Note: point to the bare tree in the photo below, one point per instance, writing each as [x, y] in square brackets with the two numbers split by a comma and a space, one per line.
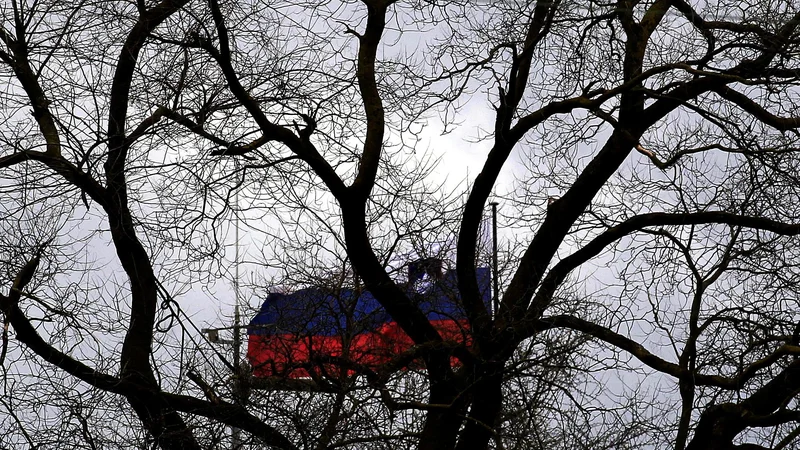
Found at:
[648, 300]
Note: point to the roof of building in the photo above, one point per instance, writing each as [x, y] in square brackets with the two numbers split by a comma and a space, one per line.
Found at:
[330, 312]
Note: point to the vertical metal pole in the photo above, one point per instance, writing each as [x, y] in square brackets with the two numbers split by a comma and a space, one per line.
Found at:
[495, 285]
[237, 343]
[236, 433]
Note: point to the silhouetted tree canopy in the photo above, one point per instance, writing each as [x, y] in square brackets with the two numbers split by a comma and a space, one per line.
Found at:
[649, 262]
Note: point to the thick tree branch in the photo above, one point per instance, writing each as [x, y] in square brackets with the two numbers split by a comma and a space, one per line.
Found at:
[373, 105]
[756, 110]
[121, 86]
[301, 146]
[21, 66]
[560, 271]
[224, 412]
[654, 362]
[506, 138]
[65, 169]
[720, 424]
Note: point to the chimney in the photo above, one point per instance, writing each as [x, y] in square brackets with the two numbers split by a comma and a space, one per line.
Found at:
[425, 266]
